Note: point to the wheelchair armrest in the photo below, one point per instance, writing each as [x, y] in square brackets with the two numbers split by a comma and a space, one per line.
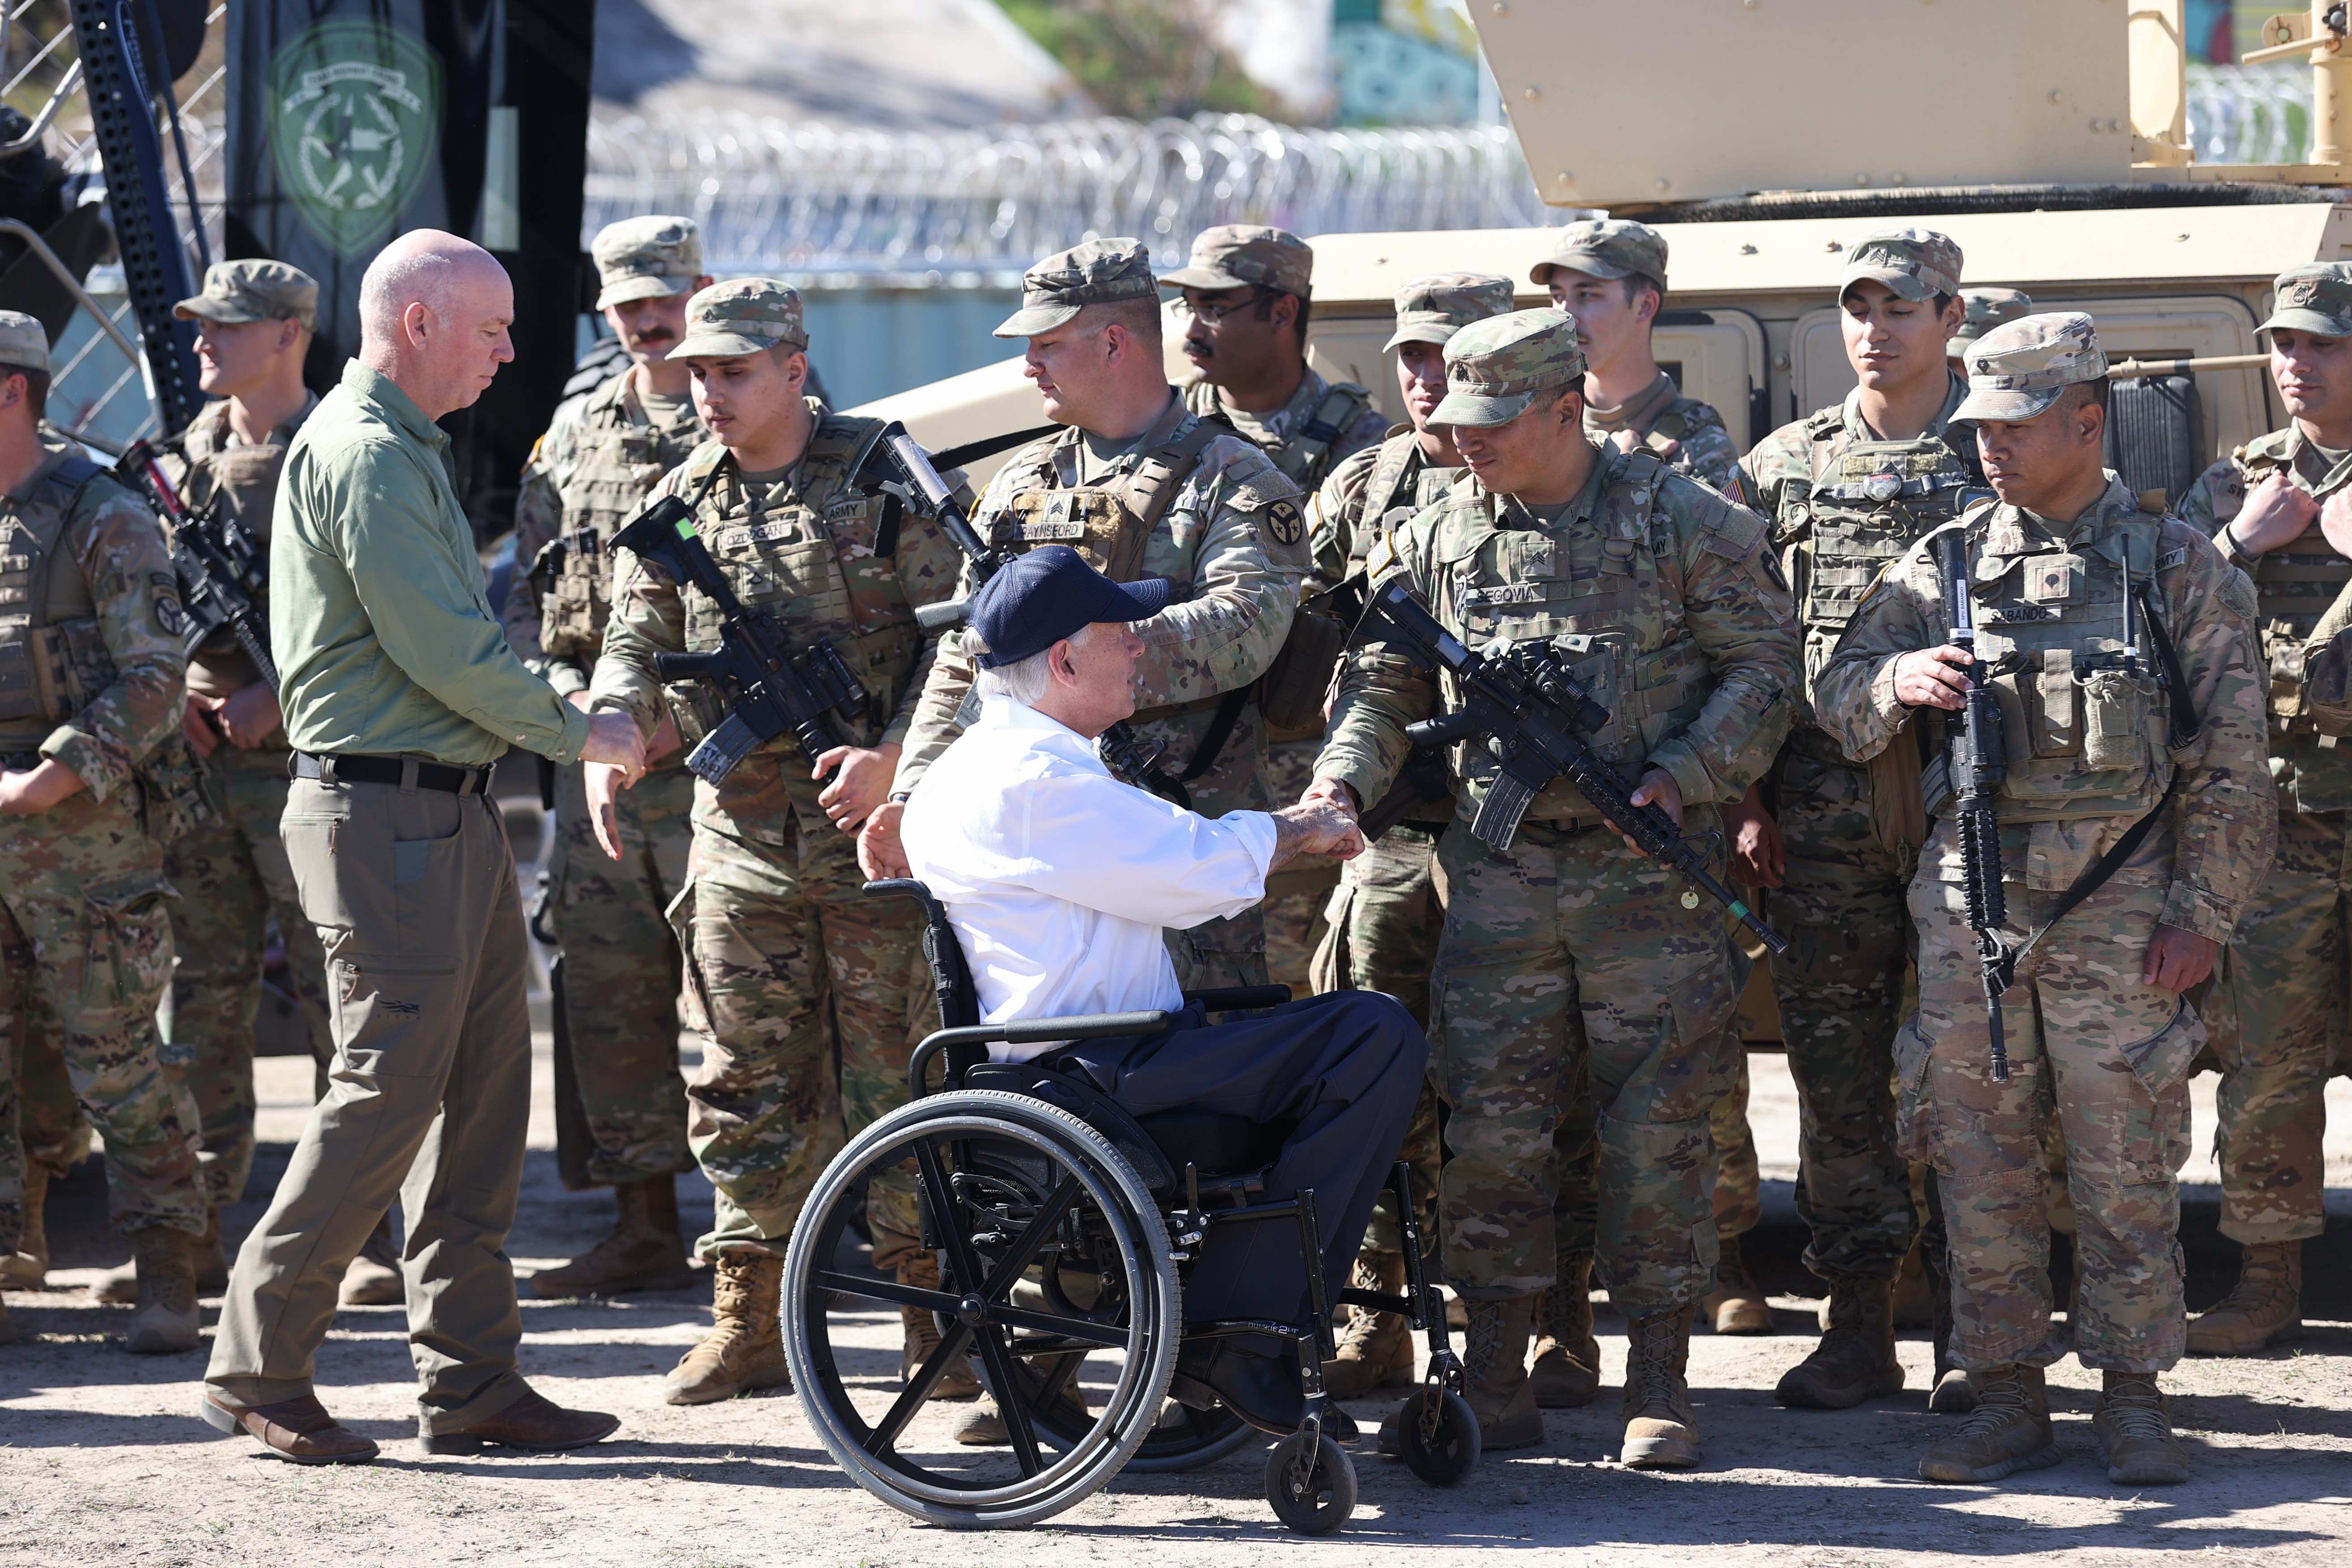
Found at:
[1238, 998]
[1031, 1032]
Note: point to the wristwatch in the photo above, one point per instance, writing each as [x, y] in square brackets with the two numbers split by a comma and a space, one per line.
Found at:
[2235, 553]
[901, 796]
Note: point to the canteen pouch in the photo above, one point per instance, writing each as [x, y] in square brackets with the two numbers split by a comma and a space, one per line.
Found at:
[2116, 705]
[1292, 692]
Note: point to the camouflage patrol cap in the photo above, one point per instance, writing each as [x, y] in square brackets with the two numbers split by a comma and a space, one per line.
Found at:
[1246, 256]
[1100, 272]
[1608, 248]
[2017, 370]
[237, 292]
[1432, 309]
[1987, 308]
[1916, 263]
[24, 342]
[645, 258]
[1494, 368]
[2314, 297]
[742, 316]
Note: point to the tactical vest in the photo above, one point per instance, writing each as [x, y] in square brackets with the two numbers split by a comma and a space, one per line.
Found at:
[2293, 586]
[2085, 737]
[243, 481]
[1305, 454]
[53, 657]
[808, 561]
[1387, 503]
[1608, 594]
[622, 456]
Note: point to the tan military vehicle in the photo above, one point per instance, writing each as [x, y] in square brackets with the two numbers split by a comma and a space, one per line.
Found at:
[1762, 137]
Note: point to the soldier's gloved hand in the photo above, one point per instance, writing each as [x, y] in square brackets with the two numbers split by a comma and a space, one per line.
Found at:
[1657, 788]
[2276, 513]
[1933, 678]
[196, 723]
[879, 854]
[2178, 959]
[1759, 857]
[861, 779]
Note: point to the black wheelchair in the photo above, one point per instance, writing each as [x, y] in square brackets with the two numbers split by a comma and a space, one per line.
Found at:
[1064, 1225]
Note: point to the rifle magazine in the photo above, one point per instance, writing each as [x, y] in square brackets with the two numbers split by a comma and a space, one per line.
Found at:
[721, 750]
[1497, 821]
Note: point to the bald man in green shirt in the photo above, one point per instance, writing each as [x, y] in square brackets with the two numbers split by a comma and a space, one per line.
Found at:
[399, 692]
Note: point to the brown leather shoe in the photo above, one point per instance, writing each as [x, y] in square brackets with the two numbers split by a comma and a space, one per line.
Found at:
[532, 1422]
[298, 1430]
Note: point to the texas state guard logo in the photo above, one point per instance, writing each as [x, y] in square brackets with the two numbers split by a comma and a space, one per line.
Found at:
[355, 111]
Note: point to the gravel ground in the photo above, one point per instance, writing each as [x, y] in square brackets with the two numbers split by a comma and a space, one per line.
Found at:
[103, 1461]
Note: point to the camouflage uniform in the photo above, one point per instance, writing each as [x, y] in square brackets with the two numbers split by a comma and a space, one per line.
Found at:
[1844, 501]
[789, 960]
[1691, 643]
[85, 940]
[1221, 518]
[2089, 1041]
[232, 873]
[588, 476]
[1323, 426]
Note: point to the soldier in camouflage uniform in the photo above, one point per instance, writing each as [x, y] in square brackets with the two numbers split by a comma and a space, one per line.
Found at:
[97, 781]
[790, 963]
[1667, 598]
[2131, 832]
[2279, 1010]
[1982, 309]
[1380, 927]
[1611, 276]
[1245, 297]
[620, 973]
[1849, 489]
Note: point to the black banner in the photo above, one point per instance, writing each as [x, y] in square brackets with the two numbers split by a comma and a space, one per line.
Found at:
[354, 120]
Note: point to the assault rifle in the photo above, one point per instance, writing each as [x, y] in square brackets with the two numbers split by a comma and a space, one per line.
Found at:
[1535, 716]
[1976, 755]
[220, 570]
[774, 688]
[894, 461]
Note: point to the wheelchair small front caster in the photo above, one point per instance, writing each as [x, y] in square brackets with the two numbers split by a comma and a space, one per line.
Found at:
[1439, 1434]
[1312, 1483]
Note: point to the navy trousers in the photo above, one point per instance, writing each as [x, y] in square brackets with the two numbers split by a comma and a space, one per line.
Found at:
[1346, 1066]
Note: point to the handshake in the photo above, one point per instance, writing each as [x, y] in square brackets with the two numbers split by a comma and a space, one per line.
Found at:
[1324, 822]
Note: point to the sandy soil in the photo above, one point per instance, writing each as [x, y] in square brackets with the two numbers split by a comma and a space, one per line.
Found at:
[103, 1461]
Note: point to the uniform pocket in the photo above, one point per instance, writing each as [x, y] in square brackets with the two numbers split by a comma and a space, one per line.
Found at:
[2154, 1135]
[126, 951]
[1914, 1106]
[424, 885]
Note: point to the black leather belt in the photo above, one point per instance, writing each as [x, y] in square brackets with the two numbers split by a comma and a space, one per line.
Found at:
[408, 772]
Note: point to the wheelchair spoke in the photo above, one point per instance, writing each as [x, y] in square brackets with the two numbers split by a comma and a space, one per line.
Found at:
[1008, 1404]
[1033, 1237]
[1084, 1329]
[889, 1291]
[944, 1213]
[885, 1435]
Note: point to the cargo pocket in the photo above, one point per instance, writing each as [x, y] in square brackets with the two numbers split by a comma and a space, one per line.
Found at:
[422, 884]
[1691, 1068]
[2154, 1136]
[697, 996]
[126, 953]
[1915, 1104]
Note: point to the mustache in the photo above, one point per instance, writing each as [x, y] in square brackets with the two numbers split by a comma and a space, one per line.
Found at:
[655, 335]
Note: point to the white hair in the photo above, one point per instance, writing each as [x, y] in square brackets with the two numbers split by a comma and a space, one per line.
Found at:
[1024, 680]
[394, 281]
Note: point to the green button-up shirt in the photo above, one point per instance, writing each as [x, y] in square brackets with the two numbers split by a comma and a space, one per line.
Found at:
[384, 639]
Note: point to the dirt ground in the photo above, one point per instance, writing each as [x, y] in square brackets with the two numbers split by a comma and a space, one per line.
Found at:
[101, 1459]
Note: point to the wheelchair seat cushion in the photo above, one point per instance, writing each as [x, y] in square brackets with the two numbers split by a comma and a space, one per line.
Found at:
[1212, 1141]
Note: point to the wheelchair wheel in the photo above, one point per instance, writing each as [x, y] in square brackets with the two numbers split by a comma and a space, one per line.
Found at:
[1439, 1434]
[1015, 1191]
[1312, 1484]
[1182, 1439]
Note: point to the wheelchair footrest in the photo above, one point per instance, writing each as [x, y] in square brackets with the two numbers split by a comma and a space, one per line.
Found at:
[1382, 1302]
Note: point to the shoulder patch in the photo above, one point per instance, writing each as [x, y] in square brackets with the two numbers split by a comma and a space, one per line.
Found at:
[164, 594]
[2237, 591]
[1283, 522]
[2172, 557]
[1383, 558]
[1731, 529]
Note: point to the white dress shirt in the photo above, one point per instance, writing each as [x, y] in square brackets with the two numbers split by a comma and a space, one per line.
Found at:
[1060, 878]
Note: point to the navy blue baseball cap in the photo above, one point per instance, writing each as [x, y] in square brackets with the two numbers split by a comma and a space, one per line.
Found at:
[1051, 594]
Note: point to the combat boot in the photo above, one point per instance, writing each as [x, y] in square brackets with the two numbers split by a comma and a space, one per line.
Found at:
[646, 1250]
[745, 1347]
[373, 1279]
[983, 1426]
[2134, 1426]
[27, 1269]
[1567, 1358]
[922, 1335]
[1375, 1347]
[2266, 1304]
[1660, 1431]
[1955, 1392]
[1495, 1367]
[2008, 1431]
[167, 1320]
[1856, 1360]
[1738, 1305]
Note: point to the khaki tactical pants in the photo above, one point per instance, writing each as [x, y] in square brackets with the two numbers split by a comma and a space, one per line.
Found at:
[414, 896]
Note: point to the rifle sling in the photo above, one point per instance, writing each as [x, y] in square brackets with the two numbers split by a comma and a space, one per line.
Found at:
[2104, 867]
[1221, 730]
[988, 446]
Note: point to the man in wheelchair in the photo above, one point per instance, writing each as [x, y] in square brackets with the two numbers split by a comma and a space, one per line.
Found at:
[1059, 880]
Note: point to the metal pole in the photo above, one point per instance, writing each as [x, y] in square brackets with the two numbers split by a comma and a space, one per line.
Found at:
[40, 247]
[2331, 89]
